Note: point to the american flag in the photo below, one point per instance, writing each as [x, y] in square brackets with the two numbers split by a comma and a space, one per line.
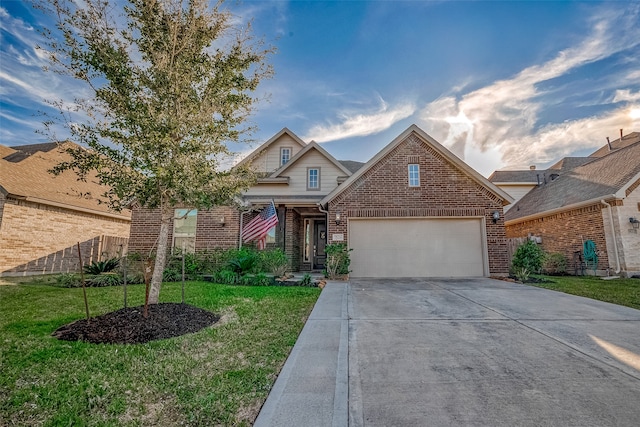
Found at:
[259, 226]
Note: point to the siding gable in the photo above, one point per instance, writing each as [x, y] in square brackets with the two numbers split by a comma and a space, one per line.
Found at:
[269, 159]
[297, 174]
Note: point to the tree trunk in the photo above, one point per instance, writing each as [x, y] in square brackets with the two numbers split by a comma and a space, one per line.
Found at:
[161, 256]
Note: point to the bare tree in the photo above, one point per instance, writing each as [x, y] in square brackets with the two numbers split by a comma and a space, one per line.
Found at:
[171, 85]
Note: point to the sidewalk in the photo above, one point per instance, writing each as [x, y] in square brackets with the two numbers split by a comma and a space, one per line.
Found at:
[312, 388]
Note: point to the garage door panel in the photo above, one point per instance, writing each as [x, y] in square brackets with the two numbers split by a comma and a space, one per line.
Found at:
[416, 247]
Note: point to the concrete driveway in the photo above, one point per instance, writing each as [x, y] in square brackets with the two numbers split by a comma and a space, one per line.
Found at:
[452, 352]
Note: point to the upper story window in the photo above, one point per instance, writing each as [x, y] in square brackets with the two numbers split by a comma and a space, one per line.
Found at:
[285, 155]
[414, 175]
[184, 229]
[313, 178]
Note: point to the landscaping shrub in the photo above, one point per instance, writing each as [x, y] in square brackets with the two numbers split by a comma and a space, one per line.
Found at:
[528, 257]
[104, 279]
[68, 280]
[554, 263]
[245, 261]
[226, 277]
[338, 260]
[259, 279]
[98, 267]
[273, 261]
[306, 280]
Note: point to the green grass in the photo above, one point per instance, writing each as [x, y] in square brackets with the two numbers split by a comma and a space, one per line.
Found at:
[218, 376]
[618, 291]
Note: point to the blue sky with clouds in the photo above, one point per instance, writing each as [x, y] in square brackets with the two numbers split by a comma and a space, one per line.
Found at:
[501, 84]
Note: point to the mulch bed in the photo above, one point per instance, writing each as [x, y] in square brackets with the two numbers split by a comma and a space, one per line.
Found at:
[128, 325]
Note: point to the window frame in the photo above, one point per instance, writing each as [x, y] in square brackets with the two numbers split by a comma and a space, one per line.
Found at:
[282, 151]
[413, 176]
[309, 188]
[183, 214]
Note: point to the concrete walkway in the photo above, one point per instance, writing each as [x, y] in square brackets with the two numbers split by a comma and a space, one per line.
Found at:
[477, 352]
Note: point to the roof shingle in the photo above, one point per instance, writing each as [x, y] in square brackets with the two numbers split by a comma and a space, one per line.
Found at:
[601, 177]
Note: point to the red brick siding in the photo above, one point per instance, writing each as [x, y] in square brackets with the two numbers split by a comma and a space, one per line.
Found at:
[564, 232]
[210, 233]
[444, 190]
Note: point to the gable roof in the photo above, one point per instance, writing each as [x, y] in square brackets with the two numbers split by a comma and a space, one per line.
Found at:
[519, 176]
[568, 163]
[603, 178]
[25, 175]
[622, 142]
[311, 146]
[352, 165]
[255, 153]
[427, 139]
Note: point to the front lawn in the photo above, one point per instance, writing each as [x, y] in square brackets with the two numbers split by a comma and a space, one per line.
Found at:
[218, 376]
[618, 291]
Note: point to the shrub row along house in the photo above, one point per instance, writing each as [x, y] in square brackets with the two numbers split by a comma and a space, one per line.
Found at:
[414, 209]
[593, 198]
[43, 217]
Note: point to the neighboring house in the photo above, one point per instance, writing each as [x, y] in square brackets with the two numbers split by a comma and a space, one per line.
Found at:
[43, 217]
[591, 198]
[516, 183]
[414, 209]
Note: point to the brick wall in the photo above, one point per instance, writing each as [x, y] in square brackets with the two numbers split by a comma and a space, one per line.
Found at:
[565, 232]
[37, 238]
[210, 232]
[292, 236]
[444, 190]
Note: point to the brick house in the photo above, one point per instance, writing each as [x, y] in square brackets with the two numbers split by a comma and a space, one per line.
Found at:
[414, 209]
[590, 198]
[43, 217]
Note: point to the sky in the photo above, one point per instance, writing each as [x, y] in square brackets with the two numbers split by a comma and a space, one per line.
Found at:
[502, 84]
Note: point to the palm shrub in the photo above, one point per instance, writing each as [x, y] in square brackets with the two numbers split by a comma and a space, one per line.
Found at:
[106, 266]
[245, 261]
[273, 261]
[527, 259]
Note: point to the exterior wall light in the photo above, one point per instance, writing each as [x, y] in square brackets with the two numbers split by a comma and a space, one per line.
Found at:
[222, 221]
[495, 216]
[338, 220]
[634, 222]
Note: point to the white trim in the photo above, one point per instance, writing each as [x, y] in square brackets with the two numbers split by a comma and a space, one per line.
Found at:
[409, 175]
[312, 145]
[266, 145]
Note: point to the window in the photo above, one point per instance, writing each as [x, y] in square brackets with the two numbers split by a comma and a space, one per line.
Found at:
[313, 178]
[271, 235]
[307, 240]
[184, 229]
[414, 175]
[285, 155]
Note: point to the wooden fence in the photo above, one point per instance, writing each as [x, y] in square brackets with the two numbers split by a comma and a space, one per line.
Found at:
[512, 246]
[111, 247]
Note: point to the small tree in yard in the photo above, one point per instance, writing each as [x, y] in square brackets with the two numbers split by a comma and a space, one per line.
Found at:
[171, 84]
[527, 259]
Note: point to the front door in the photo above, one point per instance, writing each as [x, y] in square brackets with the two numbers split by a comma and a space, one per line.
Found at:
[319, 242]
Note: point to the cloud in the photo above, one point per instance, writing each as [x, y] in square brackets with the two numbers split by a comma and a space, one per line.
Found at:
[626, 95]
[361, 124]
[505, 115]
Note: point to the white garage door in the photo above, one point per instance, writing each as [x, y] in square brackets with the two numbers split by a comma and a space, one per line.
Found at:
[425, 247]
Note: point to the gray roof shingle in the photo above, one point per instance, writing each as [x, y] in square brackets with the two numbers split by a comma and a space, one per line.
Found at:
[598, 178]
